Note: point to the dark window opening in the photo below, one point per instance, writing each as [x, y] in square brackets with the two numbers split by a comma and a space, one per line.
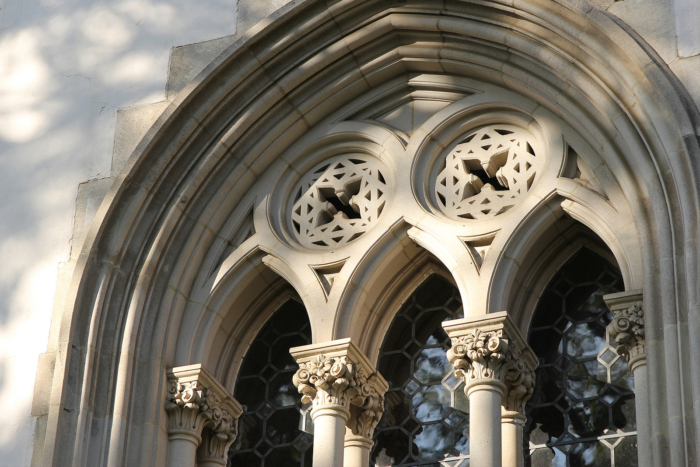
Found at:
[421, 426]
[269, 433]
[493, 181]
[344, 208]
[582, 412]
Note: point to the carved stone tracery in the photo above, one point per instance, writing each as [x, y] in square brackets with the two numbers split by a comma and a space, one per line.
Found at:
[488, 173]
[338, 201]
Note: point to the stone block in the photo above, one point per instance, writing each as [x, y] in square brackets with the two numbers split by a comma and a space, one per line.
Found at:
[688, 71]
[188, 61]
[132, 125]
[90, 196]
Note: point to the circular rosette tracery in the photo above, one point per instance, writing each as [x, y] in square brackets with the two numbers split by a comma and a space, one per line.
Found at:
[488, 173]
[338, 200]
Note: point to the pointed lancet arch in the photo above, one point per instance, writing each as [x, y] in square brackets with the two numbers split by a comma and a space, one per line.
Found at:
[386, 277]
[559, 243]
[546, 225]
[132, 285]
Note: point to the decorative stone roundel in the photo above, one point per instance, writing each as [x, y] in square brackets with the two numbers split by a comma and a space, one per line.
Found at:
[338, 200]
[488, 173]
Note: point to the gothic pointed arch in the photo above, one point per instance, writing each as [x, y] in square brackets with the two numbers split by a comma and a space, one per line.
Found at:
[362, 104]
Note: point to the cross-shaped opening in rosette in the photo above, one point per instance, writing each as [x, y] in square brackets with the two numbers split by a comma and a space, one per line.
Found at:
[487, 173]
[338, 201]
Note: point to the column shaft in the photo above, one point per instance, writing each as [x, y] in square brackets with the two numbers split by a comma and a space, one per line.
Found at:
[329, 434]
[512, 424]
[627, 328]
[183, 450]
[210, 463]
[485, 423]
[357, 450]
[641, 401]
[337, 377]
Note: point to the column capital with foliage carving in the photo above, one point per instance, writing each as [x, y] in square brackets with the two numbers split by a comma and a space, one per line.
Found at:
[627, 326]
[336, 375]
[200, 408]
[489, 349]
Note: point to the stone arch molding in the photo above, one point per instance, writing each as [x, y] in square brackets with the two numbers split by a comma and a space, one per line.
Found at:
[194, 238]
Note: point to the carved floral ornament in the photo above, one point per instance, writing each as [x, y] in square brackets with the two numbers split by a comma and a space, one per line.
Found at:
[194, 407]
[338, 200]
[488, 173]
[627, 328]
[489, 355]
[199, 407]
[339, 381]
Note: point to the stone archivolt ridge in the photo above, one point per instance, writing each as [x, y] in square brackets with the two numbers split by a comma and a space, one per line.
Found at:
[217, 150]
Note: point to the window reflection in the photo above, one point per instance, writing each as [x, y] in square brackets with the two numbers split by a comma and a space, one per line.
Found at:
[420, 425]
[269, 434]
[582, 411]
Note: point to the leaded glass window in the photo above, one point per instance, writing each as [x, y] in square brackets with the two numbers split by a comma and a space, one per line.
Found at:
[582, 411]
[420, 426]
[269, 434]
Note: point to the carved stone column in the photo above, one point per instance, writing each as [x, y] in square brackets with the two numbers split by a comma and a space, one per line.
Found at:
[344, 387]
[520, 385]
[497, 366]
[200, 411]
[627, 328]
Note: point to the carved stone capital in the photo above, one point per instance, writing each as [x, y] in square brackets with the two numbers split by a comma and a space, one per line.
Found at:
[200, 407]
[215, 445]
[337, 374]
[490, 348]
[627, 326]
[365, 417]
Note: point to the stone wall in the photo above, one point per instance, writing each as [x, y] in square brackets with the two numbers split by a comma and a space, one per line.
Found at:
[67, 67]
[80, 83]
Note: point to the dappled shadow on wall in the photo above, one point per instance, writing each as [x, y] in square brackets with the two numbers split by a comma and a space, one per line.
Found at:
[421, 425]
[582, 412]
[270, 434]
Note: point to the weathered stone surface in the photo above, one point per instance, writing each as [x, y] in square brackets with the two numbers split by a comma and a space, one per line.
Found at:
[187, 61]
[167, 281]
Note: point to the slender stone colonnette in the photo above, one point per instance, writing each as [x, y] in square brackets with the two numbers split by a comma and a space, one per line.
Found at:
[203, 418]
[348, 400]
[627, 328]
[497, 366]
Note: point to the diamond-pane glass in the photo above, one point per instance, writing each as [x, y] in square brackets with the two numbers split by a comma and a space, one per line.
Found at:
[425, 418]
[269, 434]
[582, 411]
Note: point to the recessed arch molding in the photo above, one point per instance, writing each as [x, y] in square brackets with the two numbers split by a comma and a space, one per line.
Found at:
[145, 270]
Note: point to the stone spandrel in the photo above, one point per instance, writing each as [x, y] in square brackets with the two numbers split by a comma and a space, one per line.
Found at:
[490, 347]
